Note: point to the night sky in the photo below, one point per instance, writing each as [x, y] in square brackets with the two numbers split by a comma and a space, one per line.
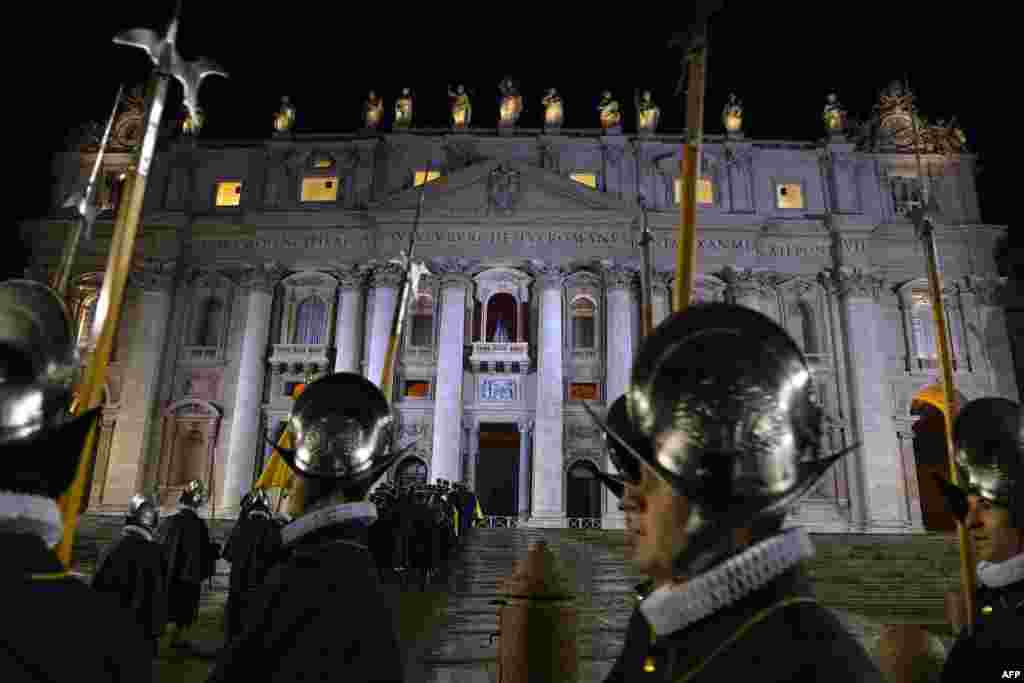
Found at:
[781, 59]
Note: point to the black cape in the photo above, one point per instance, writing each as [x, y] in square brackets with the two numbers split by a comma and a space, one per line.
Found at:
[190, 557]
[59, 629]
[321, 615]
[997, 643]
[252, 549]
[133, 573]
[801, 642]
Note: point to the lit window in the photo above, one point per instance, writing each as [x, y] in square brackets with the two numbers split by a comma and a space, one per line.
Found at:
[229, 193]
[583, 323]
[323, 163]
[323, 189]
[705, 192]
[423, 323]
[426, 177]
[310, 321]
[789, 196]
[588, 179]
[583, 392]
[417, 389]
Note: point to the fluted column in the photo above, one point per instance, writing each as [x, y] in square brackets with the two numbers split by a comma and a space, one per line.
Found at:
[385, 280]
[472, 429]
[141, 355]
[878, 491]
[548, 509]
[525, 439]
[350, 320]
[446, 456]
[619, 284]
[244, 406]
[989, 299]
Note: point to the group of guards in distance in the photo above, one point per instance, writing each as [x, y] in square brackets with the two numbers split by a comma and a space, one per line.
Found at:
[717, 438]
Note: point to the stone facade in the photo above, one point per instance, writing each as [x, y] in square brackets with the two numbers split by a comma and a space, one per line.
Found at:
[277, 287]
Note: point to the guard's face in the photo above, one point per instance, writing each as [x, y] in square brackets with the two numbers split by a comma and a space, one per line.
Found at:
[655, 524]
[994, 538]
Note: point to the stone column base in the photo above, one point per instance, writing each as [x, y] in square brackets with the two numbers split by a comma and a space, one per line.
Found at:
[546, 521]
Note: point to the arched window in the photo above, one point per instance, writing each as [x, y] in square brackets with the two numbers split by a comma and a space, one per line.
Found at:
[501, 318]
[584, 332]
[422, 332]
[210, 320]
[923, 325]
[310, 321]
[411, 471]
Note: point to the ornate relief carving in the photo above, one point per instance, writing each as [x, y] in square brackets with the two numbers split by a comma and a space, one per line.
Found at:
[387, 275]
[503, 189]
[261, 278]
[661, 280]
[853, 282]
[505, 280]
[617, 276]
[799, 286]
[744, 282]
[548, 275]
[352, 277]
[451, 265]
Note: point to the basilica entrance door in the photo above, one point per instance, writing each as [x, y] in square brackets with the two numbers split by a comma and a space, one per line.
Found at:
[930, 458]
[497, 471]
[583, 494]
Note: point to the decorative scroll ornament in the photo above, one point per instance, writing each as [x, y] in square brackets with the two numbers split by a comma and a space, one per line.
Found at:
[853, 282]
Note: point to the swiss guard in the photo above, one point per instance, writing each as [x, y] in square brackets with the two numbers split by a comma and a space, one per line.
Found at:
[191, 558]
[322, 613]
[252, 549]
[990, 456]
[46, 633]
[725, 399]
[133, 571]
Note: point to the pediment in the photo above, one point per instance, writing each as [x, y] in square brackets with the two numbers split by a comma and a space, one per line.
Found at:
[503, 188]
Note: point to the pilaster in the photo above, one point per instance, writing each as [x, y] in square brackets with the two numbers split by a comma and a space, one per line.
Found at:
[350, 320]
[385, 280]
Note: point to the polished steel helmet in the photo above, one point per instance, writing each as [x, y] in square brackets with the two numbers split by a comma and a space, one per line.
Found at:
[41, 441]
[143, 511]
[726, 400]
[620, 423]
[257, 499]
[194, 494]
[613, 482]
[344, 431]
[989, 453]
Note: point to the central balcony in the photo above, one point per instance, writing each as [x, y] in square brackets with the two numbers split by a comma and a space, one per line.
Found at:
[500, 357]
[300, 358]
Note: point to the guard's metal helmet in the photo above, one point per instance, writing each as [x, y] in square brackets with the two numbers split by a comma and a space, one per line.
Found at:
[194, 494]
[725, 398]
[619, 422]
[257, 499]
[989, 453]
[39, 366]
[613, 482]
[343, 429]
[143, 511]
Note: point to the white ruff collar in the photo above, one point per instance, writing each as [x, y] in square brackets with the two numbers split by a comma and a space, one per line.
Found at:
[328, 516]
[673, 607]
[999, 574]
[22, 513]
[137, 530]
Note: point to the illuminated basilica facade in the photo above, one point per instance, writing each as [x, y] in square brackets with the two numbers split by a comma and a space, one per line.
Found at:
[261, 262]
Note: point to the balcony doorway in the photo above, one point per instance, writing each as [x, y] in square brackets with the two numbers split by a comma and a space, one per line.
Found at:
[497, 471]
[583, 491]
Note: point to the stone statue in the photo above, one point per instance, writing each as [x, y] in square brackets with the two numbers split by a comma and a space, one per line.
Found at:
[732, 116]
[500, 332]
[403, 109]
[511, 103]
[284, 119]
[648, 113]
[834, 116]
[462, 109]
[373, 111]
[554, 111]
[611, 118]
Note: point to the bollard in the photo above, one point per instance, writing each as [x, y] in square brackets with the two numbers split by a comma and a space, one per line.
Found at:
[537, 623]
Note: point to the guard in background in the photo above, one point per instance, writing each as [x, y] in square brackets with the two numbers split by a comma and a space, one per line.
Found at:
[56, 628]
[382, 541]
[725, 399]
[191, 558]
[322, 613]
[133, 571]
[990, 455]
[252, 549]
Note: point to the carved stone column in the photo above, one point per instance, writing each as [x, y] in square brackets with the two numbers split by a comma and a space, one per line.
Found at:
[990, 296]
[751, 289]
[145, 321]
[471, 428]
[448, 390]
[350, 321]
[385, 280]
[661, 295]
[619, 283]
[525, 443]
[877, 489]
[244, 403]
[548, 508]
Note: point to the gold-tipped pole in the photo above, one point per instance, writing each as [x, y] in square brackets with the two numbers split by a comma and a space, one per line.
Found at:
[922, 216]
[85, 205]
[686, 247]
[646, 295]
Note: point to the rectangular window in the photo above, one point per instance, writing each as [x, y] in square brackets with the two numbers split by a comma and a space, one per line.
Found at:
[586, 391]
[705, 191]
[588, 179]
[229, 193]
[293, 389]
[426, 177]
[789, 196]
[320, 189]
[417, 389]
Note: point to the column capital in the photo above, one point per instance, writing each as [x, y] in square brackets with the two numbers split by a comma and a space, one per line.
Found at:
[451, 265]
[661, 280]
[855, 283]
[526, 425]
[987, 291]
[350, 277]
[386, 275]
[742, 282]
[261, 278]
[153, 275]
[548, 275]
[618, 276]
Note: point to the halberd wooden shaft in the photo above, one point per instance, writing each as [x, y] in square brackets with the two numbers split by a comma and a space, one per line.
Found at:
[686, 246]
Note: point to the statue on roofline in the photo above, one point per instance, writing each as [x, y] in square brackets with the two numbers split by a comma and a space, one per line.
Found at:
[462, 108]
[648, 113]
[611, 118]
[373, 111]
[554, 110]
[284, 119]
[511, 103]
[403, 109]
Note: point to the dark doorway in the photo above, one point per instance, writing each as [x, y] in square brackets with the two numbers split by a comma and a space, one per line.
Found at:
[930, 458]
[497, 470]
[583, 495]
